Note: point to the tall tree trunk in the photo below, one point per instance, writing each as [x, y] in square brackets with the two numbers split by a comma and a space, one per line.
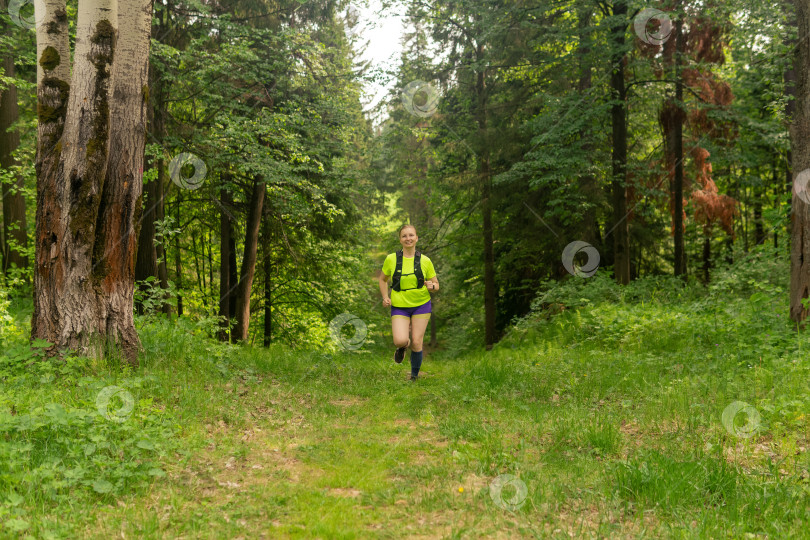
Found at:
[672, 118]
[677, 191]
[146, 259]
[225, 241]
[87, 210]
[777, 194]
[151, 259]
[161, 249]
[240, 332]
[745, 225]
[789, 8]
[200, 273]
[210, 292]
[121, 197]
[233, 272]
[621, 230]
[158, 107]
[178, 266]
[734, 192]
[53, 92]
[587, 184]
[15, 229]
[800, 146]
[759, 227]
[489, 257]
[69, 184]
[486, 207]
[268, 290]
[707, 254]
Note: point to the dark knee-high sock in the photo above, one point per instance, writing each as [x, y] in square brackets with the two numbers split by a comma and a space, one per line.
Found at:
[416, 362]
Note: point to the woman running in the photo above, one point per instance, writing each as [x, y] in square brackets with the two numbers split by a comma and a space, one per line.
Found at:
[412, 276]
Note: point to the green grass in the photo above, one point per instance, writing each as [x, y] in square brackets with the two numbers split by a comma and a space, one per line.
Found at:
[609, 413]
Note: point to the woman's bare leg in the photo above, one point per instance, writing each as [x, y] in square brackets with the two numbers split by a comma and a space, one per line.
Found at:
[399, 330]
[419, 324]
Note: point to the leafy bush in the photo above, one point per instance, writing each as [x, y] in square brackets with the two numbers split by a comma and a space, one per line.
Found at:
[66, 435]
[755, 283]
[762, 270]
[8, 330]
[151, 296]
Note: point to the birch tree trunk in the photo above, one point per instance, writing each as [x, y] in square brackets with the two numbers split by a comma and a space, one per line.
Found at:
[53, 75]
[121, 199]
[800, 150]
[71, 179]
[87, 211]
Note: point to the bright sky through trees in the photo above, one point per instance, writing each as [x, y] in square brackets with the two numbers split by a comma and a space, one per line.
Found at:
[381, 37]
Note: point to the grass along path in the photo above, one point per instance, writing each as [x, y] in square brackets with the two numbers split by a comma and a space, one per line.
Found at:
[308, 460]
[610, 416]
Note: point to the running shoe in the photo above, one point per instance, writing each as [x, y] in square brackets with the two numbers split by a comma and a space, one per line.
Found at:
[399, 355]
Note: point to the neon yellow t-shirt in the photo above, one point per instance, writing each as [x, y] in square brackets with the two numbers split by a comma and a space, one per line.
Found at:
[412, 297]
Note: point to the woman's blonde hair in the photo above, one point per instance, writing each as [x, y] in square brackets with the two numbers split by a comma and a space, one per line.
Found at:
[407, 225]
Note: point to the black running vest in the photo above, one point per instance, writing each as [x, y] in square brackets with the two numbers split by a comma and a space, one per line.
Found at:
[417, 271]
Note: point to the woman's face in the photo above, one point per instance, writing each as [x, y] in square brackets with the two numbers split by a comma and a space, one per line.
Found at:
[408, 237]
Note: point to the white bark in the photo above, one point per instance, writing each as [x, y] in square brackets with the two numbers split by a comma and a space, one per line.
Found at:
[52, 32]
[123, 187]
[89, 189]
[52, 96]
[69, 187]
[52, 84]
[88, 106]
[84, 163]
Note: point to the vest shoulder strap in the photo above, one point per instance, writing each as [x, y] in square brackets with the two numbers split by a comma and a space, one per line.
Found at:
[397, 271]
[417, 269]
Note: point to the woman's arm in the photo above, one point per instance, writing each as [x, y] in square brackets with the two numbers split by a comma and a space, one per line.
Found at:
[384, 289]
[432, 283]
